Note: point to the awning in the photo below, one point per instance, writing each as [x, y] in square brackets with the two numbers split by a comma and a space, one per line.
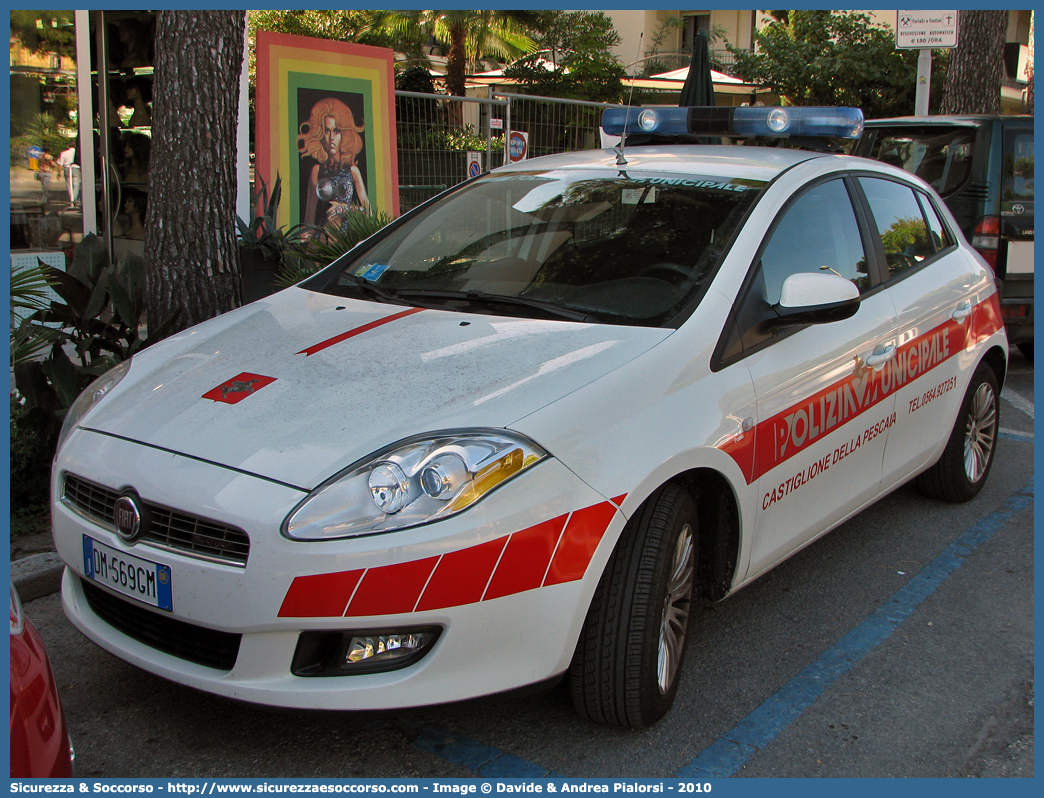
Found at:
[675, 79]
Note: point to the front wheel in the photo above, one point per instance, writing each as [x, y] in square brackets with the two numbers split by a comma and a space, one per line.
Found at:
[965, 463]
[628, 659]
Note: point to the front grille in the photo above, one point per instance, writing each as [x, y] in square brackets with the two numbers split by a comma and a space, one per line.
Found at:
[187, 641]
[188, 534]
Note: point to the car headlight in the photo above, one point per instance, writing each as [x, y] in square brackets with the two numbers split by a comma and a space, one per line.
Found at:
[93, 394]
[414, 482]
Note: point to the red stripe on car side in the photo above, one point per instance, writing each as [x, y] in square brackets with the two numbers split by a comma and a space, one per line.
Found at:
[525, 559]
[985, 321]
[319, 347]
[771, 443]
[320, 595]
[548, 553]
[579, 541]
[461, 576]
[740, 448]
[391, 589]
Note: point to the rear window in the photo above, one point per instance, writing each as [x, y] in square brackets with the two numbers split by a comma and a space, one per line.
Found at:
[1018, 166]
[617, 248]
[939, 156]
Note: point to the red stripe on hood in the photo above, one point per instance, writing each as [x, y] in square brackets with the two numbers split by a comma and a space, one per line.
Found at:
[319, 347]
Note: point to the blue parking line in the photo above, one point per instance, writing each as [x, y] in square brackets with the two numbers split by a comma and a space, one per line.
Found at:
[485, 760]
[1014, 435]
[735, 748]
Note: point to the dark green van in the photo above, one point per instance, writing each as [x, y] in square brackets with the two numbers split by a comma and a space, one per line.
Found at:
[982, 166]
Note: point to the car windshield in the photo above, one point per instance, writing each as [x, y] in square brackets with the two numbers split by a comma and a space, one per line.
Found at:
[941, 156]
[616, 248]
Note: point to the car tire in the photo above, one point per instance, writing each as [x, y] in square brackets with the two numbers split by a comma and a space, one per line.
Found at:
[965, 463]
[626, 667]
[1026, 347]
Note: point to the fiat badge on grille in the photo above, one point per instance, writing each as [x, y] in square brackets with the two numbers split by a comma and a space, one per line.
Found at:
[127, 517]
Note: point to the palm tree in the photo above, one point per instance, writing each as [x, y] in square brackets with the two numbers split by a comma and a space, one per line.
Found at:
[470, 35]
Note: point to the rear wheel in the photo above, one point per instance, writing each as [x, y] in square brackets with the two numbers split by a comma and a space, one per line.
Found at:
[628, 659]
[965, 463]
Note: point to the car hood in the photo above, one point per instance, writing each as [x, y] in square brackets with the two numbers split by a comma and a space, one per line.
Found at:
[300, 385]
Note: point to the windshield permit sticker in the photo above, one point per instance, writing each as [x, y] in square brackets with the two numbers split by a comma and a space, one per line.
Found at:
[239, 388]
[373, 273]
[632, 196]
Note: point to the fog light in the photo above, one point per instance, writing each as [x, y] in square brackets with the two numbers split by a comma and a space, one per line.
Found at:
[384, 648]
[370, 651]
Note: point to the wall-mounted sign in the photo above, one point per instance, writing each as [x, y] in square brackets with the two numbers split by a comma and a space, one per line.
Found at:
[474, 164]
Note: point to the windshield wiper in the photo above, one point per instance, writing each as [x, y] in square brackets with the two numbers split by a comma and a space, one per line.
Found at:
[476, 297]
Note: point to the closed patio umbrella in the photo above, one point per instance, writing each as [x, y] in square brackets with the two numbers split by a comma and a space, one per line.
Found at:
[698, 88]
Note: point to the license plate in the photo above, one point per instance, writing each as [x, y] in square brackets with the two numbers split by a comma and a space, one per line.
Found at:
[144, 580]
[1020, 257]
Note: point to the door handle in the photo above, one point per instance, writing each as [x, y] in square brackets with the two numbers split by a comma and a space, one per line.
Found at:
[878, 359]
[963, 311]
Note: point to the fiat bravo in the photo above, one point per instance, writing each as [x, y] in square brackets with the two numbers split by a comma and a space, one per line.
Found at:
[526, 430]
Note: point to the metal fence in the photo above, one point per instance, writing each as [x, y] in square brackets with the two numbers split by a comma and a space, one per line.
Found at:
[436, 132]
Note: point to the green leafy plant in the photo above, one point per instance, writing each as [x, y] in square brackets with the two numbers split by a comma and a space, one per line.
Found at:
[95, 324]
[821, 57]
[437, 138]
[330, 244]
[29, 294]
[31, 455]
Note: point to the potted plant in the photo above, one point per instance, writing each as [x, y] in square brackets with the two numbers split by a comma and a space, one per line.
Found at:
[263, 244]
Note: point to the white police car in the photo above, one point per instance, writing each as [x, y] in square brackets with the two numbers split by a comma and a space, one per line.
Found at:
[520, 432]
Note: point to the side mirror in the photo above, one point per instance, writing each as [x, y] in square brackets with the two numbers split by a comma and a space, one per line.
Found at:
[816, 298]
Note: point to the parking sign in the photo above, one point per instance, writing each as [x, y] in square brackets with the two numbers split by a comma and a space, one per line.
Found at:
[925, 29]
[518, 146]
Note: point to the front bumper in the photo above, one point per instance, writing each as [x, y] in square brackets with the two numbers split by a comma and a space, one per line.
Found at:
[508, 582]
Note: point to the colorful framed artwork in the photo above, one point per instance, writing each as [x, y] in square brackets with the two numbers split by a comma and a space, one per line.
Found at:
[325, 124]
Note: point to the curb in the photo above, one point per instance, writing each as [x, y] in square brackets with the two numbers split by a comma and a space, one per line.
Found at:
[37, 575]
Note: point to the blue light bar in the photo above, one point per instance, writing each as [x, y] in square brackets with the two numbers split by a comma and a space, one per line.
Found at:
[771, 122]
[846, 123]
[659, 121]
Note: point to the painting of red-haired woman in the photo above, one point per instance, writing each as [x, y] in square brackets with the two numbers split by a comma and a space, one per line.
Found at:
[330, 143]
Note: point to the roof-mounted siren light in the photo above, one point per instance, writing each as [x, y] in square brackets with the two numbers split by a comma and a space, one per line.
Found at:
[774, 122]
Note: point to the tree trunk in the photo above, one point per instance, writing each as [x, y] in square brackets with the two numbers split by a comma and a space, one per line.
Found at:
[973, 78]
[456, 69]
[457, 61]
[191, 250]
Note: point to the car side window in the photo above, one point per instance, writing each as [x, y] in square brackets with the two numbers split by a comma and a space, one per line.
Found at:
[900, 222]
[939, 156]
[941, 237]
[819, 233]
[1018, 166]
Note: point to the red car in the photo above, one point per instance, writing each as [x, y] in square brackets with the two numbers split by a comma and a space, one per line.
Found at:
[40, 745]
